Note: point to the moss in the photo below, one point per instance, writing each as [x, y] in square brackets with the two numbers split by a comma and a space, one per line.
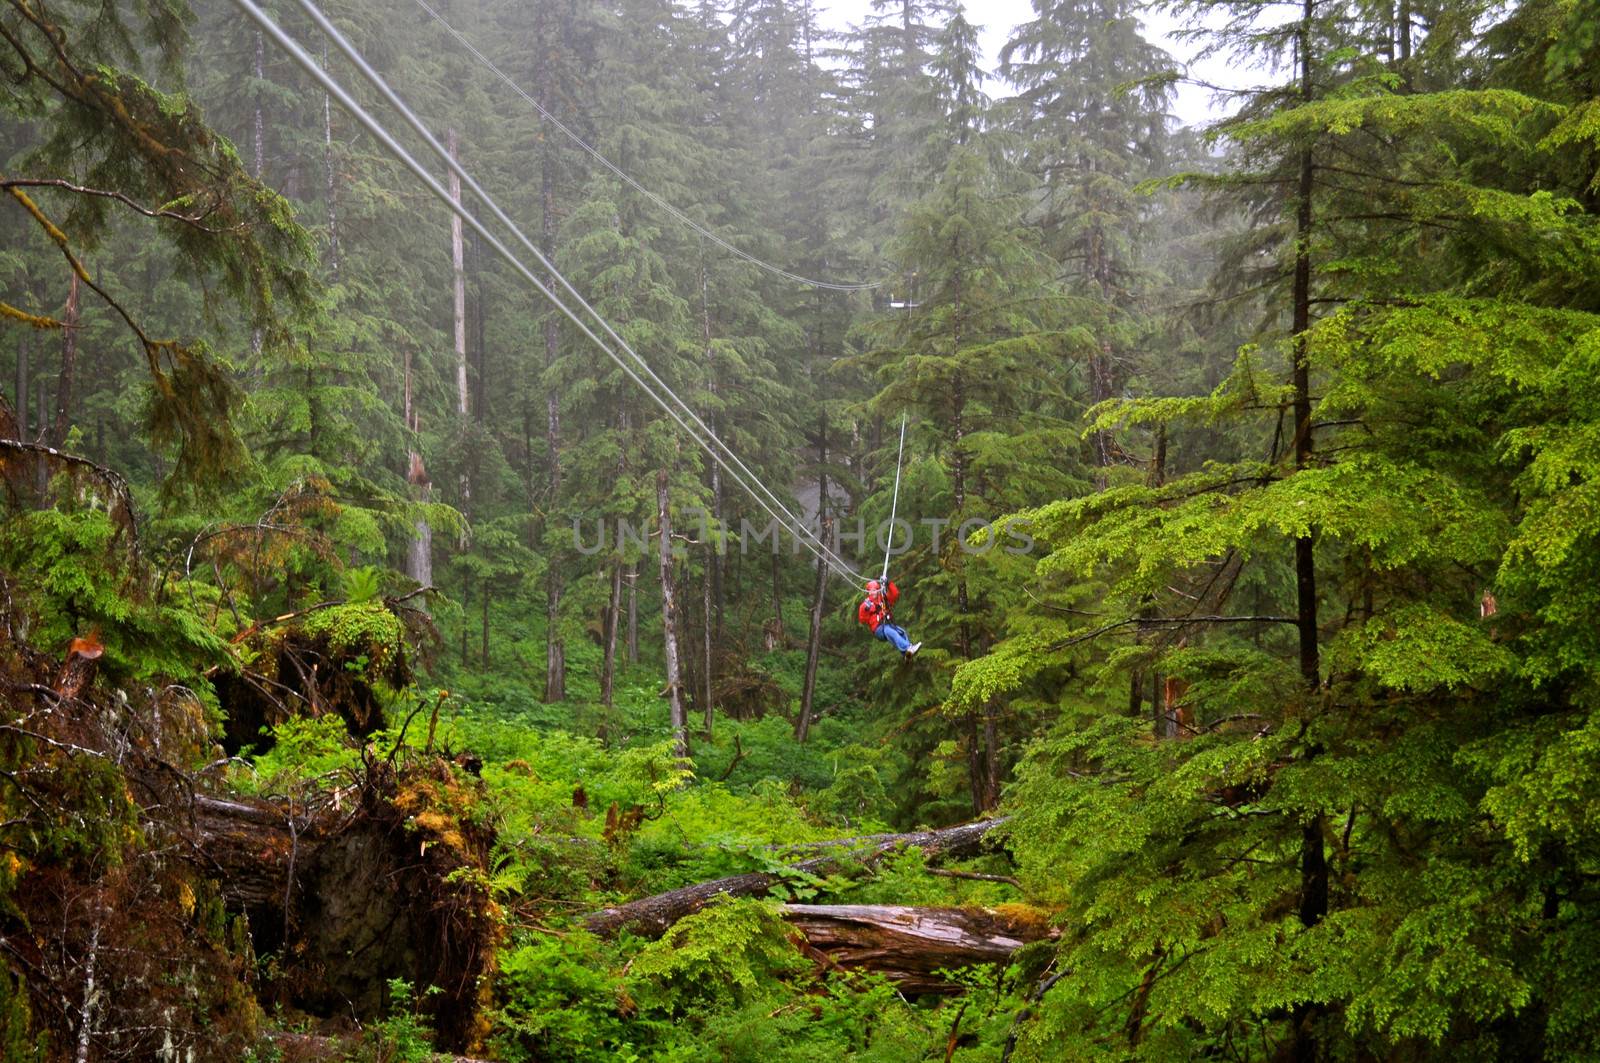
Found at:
[367, 628]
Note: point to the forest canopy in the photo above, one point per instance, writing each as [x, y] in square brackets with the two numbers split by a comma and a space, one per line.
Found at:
[444, 447]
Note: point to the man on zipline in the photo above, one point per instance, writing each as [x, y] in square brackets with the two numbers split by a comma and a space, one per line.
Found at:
[874, 612]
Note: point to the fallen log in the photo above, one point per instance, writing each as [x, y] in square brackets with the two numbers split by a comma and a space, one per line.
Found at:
[652, 916]
[911, 944]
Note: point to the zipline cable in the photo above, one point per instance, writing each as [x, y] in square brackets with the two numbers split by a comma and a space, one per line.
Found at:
[626, 177]
[753, 483]
[337, 91]
[894, 506]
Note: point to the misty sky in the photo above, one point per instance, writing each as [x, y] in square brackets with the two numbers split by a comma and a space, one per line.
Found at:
[997, 17]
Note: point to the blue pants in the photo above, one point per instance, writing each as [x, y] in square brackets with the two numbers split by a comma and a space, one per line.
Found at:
[894, 636]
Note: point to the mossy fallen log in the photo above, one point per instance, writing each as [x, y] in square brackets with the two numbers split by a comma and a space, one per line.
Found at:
[652, 916]
[912, 944]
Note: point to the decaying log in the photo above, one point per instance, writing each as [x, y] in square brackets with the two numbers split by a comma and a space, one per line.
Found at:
[652, 916]
[911, 944]
[364, 883]
[248, 845]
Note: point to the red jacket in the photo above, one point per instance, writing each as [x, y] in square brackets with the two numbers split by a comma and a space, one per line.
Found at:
[874, 608]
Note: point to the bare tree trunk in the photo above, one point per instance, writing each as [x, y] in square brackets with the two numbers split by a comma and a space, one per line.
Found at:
[710, 706]
[69, 367]
[484, 593]
[458, 271]
[86, 1012]
[808, 692]
[780, 636]
[555, 650]
[669, 616]
[608, 668]
[22, 388]
[613, 617]
[330, 187]
[259, 162]
[713, 558]
[41, 421]
[419, 552]
[633, 615]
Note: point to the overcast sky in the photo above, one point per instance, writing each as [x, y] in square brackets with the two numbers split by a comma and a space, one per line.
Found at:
[997, 17]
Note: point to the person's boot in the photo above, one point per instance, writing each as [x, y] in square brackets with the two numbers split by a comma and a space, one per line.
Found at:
[911, 650]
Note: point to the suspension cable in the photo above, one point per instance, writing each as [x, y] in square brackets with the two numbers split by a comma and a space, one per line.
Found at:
[594, 152]
[373, 126]
[378, 82]
[894, 506]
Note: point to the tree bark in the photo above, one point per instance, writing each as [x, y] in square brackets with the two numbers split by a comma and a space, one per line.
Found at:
[555, 649]
[419, 551]
[713, 576]
[57, 435]
[613, 620]
[22, 389]
[633, 614]
[330, 186]
[808, 691]
[779, 635]
[484, 606]
[911, 945]
[458, 273]
[652, 916]
[260, 130]
[669, 617]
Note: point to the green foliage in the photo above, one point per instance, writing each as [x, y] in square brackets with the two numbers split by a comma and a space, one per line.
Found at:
[403, 1037]
[726, 952]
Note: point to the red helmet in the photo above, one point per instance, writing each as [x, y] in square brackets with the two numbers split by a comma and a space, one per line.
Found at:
[872, 586]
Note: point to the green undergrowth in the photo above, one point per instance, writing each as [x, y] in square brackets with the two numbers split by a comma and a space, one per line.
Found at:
[585, 821]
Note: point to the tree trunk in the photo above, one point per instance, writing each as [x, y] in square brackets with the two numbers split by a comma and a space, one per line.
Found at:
[1313, 857]
[259, 162]
[69, 367]
[808, 692]
[458, 272]
[613, 620]
[633, 615]
[330, 186]
[669, 617]
[713, 580]
[41, 420]
[780, 637]
[555, 649]
[911, 945]
[652, 916]
[419, 552]
[484, 605]
[705, 627]
[22, 389]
